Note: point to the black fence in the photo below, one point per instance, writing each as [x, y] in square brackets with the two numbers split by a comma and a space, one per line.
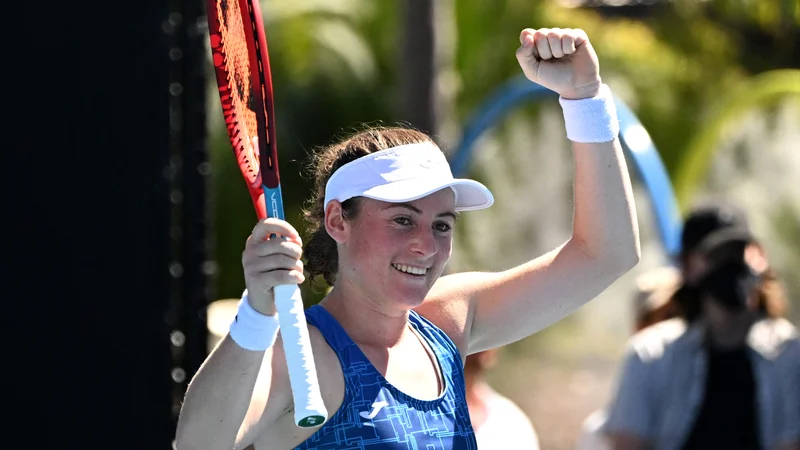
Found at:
[106, 237]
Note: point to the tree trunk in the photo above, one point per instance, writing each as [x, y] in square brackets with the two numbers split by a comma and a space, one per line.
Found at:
[418, 66]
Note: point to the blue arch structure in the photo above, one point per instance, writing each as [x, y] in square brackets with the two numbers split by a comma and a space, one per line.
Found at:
[639, 149]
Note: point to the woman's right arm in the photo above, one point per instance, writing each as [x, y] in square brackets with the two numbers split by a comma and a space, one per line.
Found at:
[237, 393]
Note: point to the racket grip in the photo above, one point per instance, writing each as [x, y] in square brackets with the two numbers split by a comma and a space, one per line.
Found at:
[309, 409]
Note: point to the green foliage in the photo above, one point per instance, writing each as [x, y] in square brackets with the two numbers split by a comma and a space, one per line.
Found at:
[761, 90]
[335, 65]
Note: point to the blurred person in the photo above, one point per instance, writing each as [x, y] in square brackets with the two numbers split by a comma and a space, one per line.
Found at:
[390, 337]
[652, 303]
[498, 422]
[725, 373]
[652, 300]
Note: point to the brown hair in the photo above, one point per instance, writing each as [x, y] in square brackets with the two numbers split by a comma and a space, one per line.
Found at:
[651, 301]
[320, 249]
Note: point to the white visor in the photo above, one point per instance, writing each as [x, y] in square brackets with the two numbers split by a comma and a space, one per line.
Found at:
[402, 174]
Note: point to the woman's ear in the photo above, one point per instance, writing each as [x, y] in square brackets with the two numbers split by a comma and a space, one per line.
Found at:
[334, 222]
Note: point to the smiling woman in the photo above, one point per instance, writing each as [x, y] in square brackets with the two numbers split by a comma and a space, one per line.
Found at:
[392, 254]
[390, 337]
[407, 158]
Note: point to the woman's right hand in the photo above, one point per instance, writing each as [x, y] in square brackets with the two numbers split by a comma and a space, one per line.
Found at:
[270, 262]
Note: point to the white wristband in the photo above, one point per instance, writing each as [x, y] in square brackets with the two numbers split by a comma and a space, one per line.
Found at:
[252, 330]
[591, 119]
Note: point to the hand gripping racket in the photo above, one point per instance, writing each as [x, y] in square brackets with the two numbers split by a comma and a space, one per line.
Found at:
[241, 62]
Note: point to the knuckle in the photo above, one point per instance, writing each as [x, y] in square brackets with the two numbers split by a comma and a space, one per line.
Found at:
[246, 257]
[286, 262]
[294, 249]
[287, 277]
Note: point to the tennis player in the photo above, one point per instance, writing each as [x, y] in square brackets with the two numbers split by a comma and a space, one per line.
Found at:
[390, 339]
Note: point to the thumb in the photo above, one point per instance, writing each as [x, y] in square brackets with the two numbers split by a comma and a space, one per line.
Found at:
[528, 61]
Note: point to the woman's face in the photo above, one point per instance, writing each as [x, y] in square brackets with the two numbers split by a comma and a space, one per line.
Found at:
[395, 252]
[730, 284]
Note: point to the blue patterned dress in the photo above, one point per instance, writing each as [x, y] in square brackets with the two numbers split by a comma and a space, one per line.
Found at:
[376, 415]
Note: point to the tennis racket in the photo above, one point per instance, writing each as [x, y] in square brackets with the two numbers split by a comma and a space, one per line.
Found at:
[241, 62]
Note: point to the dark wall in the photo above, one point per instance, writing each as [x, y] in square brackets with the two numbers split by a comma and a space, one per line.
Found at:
[91, 230]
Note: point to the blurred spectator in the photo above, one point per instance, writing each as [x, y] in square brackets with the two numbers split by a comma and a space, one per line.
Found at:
[497, 421]
[726, 373]
[651, 304]
[652, 301]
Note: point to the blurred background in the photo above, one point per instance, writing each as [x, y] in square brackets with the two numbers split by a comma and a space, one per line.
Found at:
[131, 216]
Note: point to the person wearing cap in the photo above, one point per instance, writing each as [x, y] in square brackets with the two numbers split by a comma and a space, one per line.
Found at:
[390, 337]
[726, 373]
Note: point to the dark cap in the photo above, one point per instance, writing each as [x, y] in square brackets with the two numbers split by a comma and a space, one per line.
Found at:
[713, 224]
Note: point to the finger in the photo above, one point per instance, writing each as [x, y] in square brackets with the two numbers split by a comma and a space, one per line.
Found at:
[526, 55]
[267, 227]
[568, 43]
[274, 278]
[580, 37]
[534, 53]
[275, 246]
[554, 40]
[282, 277]
[526, 35]
[255, 267]
[527, 49]
[541, 44]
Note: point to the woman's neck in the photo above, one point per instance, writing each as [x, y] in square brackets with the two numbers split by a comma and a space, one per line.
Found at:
[364, 319]
[731, 332]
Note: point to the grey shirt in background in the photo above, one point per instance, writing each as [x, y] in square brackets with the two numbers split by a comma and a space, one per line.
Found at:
[660, 391]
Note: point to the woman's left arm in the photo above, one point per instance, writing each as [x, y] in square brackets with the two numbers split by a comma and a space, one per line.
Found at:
[500, 308]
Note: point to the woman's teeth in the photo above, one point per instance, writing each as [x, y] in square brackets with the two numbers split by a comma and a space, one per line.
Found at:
[410, 269]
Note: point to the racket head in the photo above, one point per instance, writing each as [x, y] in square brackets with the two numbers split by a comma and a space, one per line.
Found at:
[268, 150]
[244, 82]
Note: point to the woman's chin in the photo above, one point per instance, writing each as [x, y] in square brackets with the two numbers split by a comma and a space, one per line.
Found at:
[410, 297]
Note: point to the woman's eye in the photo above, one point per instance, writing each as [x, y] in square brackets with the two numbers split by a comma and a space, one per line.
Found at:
[443, 227]
[402, 221]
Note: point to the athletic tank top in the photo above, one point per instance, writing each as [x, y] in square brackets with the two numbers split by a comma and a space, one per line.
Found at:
[376, 415]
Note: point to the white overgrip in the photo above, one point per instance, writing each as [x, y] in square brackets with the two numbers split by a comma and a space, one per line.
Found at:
[309, 409]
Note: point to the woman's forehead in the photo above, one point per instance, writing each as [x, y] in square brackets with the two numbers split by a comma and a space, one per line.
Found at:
[439, 202]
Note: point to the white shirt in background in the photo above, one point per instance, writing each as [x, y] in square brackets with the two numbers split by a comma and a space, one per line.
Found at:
[506, 425]
[591, 437]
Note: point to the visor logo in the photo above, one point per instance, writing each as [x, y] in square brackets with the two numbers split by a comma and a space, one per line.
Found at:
[426, 163]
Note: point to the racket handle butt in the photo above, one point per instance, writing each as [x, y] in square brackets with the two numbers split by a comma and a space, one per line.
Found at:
[309, 409]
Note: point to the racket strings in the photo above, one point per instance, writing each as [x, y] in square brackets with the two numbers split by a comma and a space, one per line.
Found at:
[239, 111]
